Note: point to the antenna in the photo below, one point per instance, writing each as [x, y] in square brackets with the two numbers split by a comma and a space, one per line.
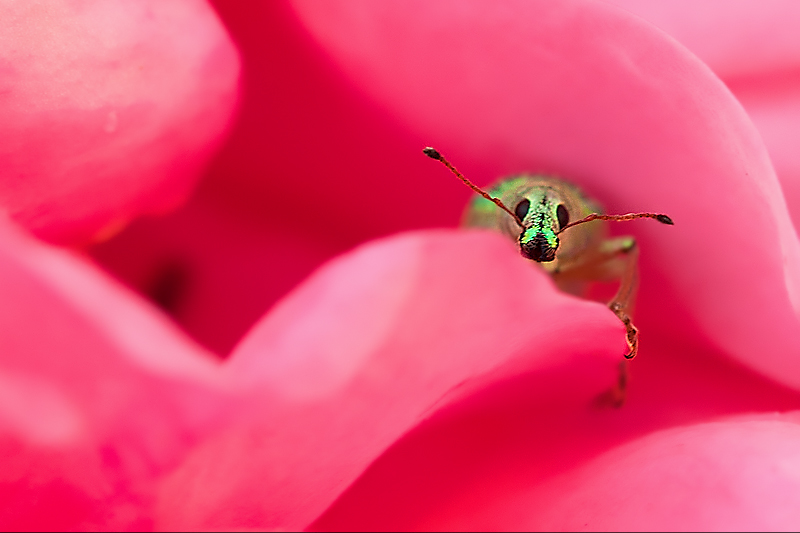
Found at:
[434, 154]
[664, 219]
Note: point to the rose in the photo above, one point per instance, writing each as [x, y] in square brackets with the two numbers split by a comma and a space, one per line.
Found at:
[451, 327]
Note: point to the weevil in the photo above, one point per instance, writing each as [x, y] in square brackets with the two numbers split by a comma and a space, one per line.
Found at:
[535, 211]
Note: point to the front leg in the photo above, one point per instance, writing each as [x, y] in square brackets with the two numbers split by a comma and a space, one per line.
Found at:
[622, 303]
[615, 258]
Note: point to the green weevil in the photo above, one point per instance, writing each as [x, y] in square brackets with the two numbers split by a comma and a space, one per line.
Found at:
[536, 210]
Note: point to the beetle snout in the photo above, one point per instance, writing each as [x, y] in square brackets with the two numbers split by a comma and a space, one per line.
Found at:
[539, 250]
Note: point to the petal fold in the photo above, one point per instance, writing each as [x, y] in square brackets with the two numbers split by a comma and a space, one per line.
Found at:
[108, 109]
[99, 394]
[372, 344]
[738, 474]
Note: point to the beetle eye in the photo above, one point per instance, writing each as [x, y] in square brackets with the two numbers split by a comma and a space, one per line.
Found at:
[563, 216]
[522, 208]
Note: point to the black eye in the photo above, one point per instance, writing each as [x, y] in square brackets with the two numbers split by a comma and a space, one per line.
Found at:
[563, 216]
[522, 208]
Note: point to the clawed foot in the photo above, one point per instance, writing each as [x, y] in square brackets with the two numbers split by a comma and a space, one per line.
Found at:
[631, 332]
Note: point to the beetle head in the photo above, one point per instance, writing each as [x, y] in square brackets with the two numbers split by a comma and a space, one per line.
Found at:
[542, 215]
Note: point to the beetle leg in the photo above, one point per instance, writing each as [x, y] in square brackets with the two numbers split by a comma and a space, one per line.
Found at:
[615, 258]
[625, 249]
[629, 282]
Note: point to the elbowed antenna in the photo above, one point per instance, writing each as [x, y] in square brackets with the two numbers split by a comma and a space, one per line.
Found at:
[664, 219]
[433, 153]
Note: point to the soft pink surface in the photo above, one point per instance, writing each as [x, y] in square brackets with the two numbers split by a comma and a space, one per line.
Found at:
[433, 379]
[460, 466]
[111, 419]
[108, 109]
[742, 474]
[368, 347]
[736, 38]
[99, 394]
[775, 110]
[755, 48]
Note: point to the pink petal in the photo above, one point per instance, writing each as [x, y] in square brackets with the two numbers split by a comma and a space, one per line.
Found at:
[370, 345]
[99, 395]
[587, 91]
[774, 107]
[109, 109]
[740, 474]
[456, 470]
[736, 38]
[755, 48]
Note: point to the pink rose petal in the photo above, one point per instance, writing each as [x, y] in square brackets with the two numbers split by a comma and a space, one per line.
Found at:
[585, 90]
[363, 351]
[774, 107]
[736, 38]
[740, 474]
[108, 109]
[456, 470]
[99, 394]
[755, 48]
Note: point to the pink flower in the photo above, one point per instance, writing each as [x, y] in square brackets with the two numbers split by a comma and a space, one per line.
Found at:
[427, 380]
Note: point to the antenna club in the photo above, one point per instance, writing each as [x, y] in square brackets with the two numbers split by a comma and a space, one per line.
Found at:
[433, 153]
[664, 219]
